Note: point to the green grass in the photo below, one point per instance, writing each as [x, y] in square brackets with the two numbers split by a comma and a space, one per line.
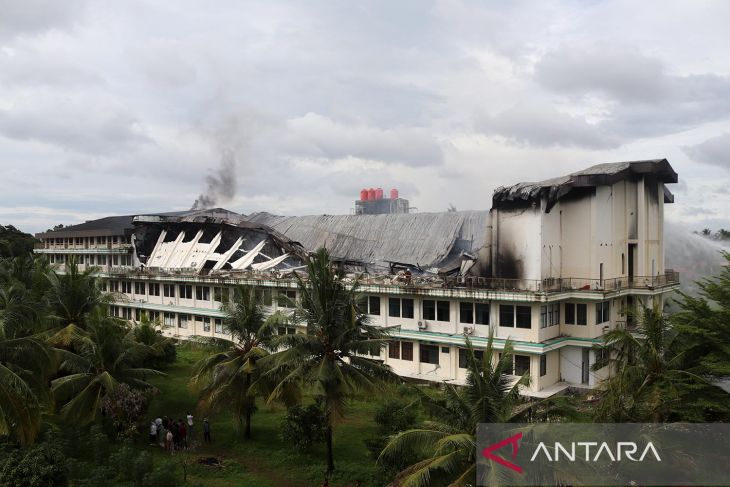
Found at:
[265, 460]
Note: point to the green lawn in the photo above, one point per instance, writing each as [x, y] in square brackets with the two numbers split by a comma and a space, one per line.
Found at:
[265, 460]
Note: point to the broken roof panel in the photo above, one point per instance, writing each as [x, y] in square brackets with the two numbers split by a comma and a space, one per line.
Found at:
[600, 174]
[418, 239]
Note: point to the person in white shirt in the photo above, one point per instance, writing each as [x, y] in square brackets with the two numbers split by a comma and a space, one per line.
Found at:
[190, 426]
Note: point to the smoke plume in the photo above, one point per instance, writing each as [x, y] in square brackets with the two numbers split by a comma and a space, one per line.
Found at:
[220, 185]
[694, 256]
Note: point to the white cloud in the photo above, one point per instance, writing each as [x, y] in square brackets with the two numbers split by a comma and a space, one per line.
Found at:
[120, 107]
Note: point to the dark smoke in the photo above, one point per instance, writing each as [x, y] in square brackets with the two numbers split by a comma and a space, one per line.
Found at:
[220, 185]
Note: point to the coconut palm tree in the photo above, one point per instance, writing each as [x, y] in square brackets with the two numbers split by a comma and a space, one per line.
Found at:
[25, 366]
[25, 360]
[650, 379]
[328, 359]
[97, 359]
[74, 295]
[227, 375]
[448, 442]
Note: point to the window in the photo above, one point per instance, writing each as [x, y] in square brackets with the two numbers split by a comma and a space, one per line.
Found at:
[102, 285]
[445, 350]
[127, 287]
[522, 364]
[287, 297]
[102, 260]
[543, 365]
[169, 319]
[139, 288]
[127, 313]
[153, 288]
[400, 307]
[481, 313]
[286, 330]
[184, 321]
[570, 313]
[602, 312]
[394, 310]
[523, 317]
[602, 356]
[206, 323]
[137, 314]
[478, 355]
[476, 313]
[202, 293]
[394, 348]
[429, 354]
[115, 260]
[576, 314]
[373, 303]
[265, 297]
[154, 316]
[168, 290]
[581, 311]
[407, 308]
[436, 310]
[466, 312]
[429, 309]
[506, 315]
[218, 325]
[186, 291]
[443, 312]
[549, 315]
[406, 351]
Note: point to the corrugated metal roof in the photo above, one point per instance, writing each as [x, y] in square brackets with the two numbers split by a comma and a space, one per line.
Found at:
[425, 239]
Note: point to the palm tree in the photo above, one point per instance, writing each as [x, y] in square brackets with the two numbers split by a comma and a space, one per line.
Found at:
[227, 375]
[25, 365]
[25, 360]
[328, 359]
[448, 443]
[75, 294]
[650, 380]
[97, 359]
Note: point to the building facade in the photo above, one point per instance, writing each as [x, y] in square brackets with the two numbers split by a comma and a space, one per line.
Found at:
[552, 267]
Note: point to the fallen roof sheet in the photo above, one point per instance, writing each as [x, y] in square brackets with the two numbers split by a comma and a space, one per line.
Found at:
[424, 239]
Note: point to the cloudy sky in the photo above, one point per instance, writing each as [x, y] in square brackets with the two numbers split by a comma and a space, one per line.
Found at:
[129, 107]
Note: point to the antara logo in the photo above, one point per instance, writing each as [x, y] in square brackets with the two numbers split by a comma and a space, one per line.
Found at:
[587, 451]
[513, 440]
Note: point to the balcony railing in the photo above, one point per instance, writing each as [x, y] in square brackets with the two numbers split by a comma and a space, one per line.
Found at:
[550, 285]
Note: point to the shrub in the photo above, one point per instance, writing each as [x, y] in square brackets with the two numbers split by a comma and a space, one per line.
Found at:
[40, 466]
[303, 426]
[124, 407]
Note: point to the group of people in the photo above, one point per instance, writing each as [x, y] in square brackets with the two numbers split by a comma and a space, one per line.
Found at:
[173, 435]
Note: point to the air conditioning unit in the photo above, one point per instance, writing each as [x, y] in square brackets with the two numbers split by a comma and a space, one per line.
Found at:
[468, 330]
[606, 328]
[422, 325]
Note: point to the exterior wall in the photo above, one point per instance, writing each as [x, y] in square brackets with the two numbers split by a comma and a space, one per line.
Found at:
[516, 243]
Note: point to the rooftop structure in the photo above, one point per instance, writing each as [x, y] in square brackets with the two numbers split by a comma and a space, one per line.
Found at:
[552, 266]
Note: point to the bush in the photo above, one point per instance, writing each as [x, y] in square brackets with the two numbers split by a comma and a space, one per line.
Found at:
[303, 426]
[395, 415]
[41, 466]
[124, 407]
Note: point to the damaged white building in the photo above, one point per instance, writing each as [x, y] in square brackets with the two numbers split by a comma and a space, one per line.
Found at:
[552, 266]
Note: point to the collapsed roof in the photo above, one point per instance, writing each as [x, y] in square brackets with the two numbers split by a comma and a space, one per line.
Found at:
[600, 174]
[435, 241]
[212, 241]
